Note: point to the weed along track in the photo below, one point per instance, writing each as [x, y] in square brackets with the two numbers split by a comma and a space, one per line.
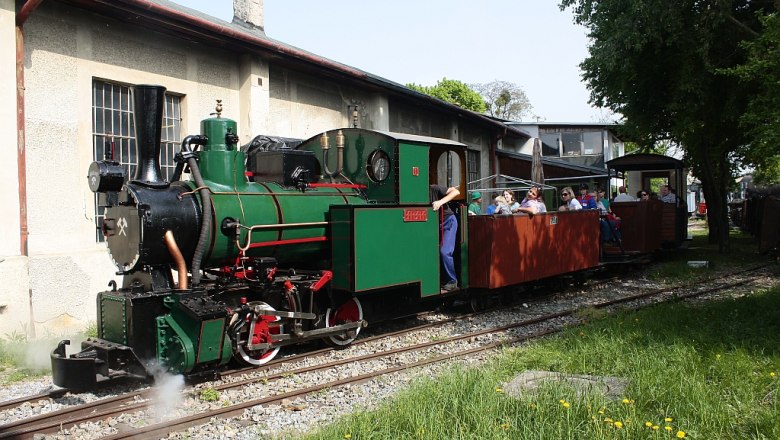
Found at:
[324, 381]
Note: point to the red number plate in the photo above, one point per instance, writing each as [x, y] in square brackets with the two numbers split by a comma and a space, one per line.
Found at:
[415, 215]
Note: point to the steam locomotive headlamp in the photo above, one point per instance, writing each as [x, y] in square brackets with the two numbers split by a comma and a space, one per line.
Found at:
[378, 165]
[105, 176]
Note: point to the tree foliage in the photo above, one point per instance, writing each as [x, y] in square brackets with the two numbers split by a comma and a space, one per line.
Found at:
[761, 121]
[504, 100]
[454, 92]
[661, 65]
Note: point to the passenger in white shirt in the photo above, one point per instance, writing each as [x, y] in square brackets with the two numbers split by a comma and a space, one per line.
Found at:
[570, 202]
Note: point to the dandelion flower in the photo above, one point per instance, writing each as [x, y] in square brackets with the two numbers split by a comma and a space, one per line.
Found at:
[499, 390]
[347, 436]
[566, 404]
[668, 420]
[668, 428]
[626, 401]
[648, 424]
[655, 427]
[561, 401]
[772, 374]
[505, 426]
[618, 425]
[680, 434]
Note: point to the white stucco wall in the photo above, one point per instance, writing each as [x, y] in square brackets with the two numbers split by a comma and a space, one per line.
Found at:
[53, 291]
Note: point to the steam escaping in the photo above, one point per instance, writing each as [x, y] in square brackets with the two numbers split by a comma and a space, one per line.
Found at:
[37, 355]
[167, 393]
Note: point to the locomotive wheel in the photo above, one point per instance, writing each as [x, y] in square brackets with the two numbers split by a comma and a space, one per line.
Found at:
[263, 329]
[350, 311]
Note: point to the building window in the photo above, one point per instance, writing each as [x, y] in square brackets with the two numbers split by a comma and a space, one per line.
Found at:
[571, 142]
[551, 144]
[113, 133]
[473, 167]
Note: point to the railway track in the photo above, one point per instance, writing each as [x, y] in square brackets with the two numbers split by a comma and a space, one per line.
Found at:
[382, 362]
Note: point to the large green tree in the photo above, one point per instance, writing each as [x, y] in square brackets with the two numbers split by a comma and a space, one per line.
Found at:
[661, 65]
[455, 92]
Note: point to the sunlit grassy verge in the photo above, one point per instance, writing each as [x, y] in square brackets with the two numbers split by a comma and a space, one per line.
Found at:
[24, 358]
[710, 371]
[674, 268]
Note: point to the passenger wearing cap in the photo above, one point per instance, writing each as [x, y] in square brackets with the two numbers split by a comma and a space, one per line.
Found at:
[586, 200]
[475, 207]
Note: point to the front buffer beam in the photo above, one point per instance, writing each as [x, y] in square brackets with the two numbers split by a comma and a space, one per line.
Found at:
[98, 363]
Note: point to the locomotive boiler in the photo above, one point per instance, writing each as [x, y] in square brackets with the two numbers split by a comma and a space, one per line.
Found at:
[252, 252]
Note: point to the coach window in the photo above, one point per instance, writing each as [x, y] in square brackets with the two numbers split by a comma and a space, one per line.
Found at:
[113, 132]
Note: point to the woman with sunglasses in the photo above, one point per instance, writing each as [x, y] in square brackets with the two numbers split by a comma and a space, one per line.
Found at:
[532, 203]
[570, 203]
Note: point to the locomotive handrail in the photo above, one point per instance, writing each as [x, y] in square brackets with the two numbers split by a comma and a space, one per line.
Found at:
[249, 244]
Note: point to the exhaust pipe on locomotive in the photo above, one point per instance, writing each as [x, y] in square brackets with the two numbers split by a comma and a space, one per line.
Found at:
[149, 101]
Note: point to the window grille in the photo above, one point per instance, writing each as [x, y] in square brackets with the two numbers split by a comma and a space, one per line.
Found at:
[113, 133]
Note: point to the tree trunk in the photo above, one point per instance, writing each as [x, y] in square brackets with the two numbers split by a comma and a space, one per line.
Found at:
[714, 185]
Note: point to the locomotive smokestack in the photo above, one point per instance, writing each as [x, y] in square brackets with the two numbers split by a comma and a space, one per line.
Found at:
[148, 125]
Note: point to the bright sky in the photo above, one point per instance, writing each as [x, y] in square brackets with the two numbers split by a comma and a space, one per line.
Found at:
[530, 43]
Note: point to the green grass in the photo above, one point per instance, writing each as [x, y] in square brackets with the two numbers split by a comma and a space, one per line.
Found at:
[712, 369]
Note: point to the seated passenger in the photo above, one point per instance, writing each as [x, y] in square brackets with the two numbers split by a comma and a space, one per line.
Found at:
[532, 203]
[585, 199]
[511, 205]
[475, 207]
[502, 207]
[601, 197]
[570, 203]
[623, 196]
[493, 208]
[601, 204]
[667, 194]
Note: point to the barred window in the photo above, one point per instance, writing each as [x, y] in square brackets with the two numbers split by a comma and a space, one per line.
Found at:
[113, 133]
[473, 168]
